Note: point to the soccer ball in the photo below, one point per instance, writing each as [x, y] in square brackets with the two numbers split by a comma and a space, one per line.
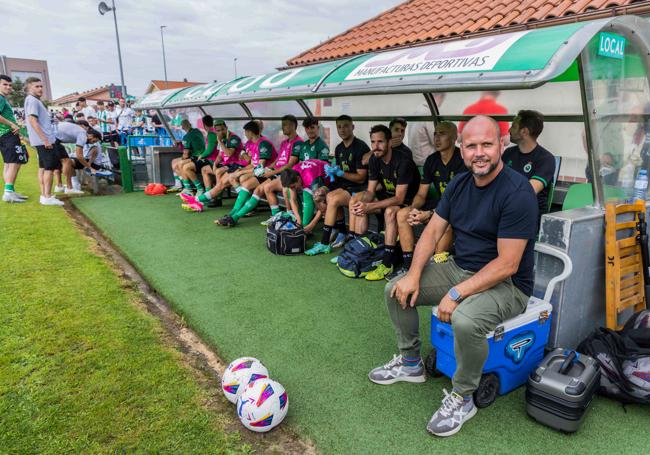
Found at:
[263, 405]
[239, 373]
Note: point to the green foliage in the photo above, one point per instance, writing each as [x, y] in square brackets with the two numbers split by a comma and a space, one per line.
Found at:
[17, 96]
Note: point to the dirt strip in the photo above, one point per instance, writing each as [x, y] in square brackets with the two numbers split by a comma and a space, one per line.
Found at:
[198, 356]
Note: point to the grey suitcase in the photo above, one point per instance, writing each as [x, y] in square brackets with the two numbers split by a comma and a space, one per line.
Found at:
[560, 389]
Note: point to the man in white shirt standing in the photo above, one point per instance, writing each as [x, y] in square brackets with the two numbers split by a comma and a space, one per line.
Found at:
[42, 137]
[84, 108]
[111, 119]
[124, 120]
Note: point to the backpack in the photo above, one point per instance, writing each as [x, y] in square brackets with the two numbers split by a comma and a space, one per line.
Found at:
[361, 256]
[284, 236]
[624, 359]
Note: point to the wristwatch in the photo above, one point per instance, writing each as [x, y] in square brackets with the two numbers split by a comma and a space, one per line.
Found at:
[455, 295]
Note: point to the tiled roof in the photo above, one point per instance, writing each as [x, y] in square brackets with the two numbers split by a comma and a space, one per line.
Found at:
[419, 21]
[165, 85]
[72, 97]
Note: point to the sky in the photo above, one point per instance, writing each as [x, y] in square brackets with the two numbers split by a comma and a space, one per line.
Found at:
[202, 38]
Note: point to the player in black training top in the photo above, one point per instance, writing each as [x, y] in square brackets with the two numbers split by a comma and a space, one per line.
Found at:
[399, 179]
[529, 158]
[398, 133]
[350, 155]
[439, 168]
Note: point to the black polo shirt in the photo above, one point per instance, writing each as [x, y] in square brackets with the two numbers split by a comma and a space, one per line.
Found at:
[350, 160]
[400, 170]
[537, 165]
[438, 174]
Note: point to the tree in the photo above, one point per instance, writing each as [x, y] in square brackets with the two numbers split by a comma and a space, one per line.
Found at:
[17, 96]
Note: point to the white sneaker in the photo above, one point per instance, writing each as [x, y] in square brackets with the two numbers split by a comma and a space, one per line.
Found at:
[59, 189]
[11, 197]
[73, 191]
[50, 201]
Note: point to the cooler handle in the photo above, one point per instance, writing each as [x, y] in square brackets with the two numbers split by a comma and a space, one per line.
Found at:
[568, 267]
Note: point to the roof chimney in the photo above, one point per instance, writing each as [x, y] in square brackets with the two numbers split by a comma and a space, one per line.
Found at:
[184, 79]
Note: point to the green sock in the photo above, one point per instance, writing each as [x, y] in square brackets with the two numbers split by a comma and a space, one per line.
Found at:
[9, 187]
[208, 188]
[186, 184]
[247, 208]
[205, 197]
[198, 185]
[307, 207]
[242, 197]
[275, 209]
[177, 179]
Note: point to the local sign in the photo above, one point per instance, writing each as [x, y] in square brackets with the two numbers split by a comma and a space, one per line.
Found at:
[611, 45]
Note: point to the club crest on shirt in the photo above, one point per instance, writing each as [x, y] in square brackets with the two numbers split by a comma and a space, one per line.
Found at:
[528, 167]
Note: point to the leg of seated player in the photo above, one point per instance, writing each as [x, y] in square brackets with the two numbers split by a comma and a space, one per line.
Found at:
[390, 240]
[307, 206]
[58, 181]
[250, 185]
[406, 236]
[206, 174]
[446, 241]
[214, 193]
[271, 189]
[334, 219]
[189, 171]
[245, 192]
[175, 169]
[359, 223]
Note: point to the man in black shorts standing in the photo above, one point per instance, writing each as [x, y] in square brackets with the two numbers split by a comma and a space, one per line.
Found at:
[438, 170]
[400, 180]
[42, 137]
[529, 158]
[349, 154]
[13, 153]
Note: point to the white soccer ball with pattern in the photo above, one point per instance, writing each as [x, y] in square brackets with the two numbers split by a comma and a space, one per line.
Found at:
[263, 405]
[239, 373]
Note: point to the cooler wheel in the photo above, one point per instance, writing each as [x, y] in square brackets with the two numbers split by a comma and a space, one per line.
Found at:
[487, 390]
[430, 365]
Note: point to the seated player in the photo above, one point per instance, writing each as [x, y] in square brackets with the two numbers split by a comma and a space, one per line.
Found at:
[305, 177]
[193, 146]
[261, 152]
[398, 130]
[349, 155]
[287, 158]
[529, 158]
[194, 166]
[400, 180]
[228, 160]
[314, 148]
[438, 170]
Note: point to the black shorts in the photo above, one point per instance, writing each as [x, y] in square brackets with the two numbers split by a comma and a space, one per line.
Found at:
[50, 159]
[352, 189]
[231, 167]
[77, 165]
[13, 152]
[201, 163]
[112, 136]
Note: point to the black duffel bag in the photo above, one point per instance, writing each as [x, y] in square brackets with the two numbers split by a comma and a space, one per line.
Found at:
[285, 237]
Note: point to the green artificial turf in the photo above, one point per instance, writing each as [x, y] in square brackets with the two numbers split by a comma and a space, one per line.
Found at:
[82, 368]
[319, 333]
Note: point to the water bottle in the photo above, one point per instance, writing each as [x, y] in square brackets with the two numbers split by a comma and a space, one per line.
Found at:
[641, 185]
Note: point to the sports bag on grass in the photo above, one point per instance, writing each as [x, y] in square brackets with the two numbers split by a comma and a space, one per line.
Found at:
[624, 359]
[284, 236]
[361, 256]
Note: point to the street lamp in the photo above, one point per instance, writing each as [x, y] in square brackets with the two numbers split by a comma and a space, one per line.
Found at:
[235, 61]
[162, 39]
[103, 8]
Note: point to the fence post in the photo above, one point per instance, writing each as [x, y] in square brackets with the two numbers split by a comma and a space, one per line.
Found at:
[126, 170]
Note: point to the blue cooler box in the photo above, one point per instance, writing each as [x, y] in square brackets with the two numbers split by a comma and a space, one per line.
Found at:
[516, 346]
